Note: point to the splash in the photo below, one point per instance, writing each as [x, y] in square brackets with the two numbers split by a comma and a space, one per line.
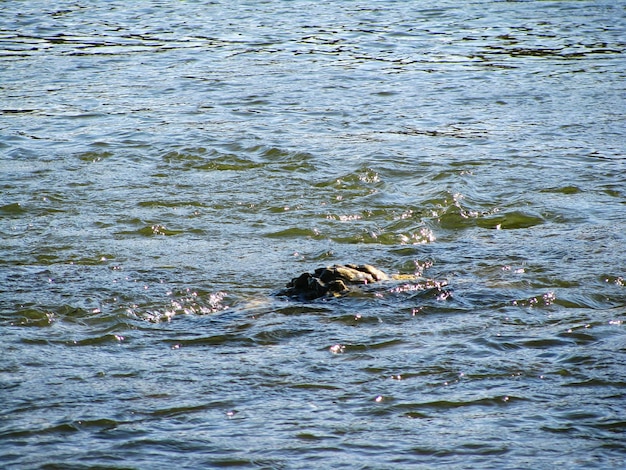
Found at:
[188, 304]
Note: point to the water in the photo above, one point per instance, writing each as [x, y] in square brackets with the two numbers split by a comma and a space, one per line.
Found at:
[166, 166]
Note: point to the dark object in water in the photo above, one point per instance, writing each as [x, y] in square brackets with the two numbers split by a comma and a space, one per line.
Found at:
[334, 281]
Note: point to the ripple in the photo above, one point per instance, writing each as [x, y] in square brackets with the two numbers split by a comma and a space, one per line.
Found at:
[231, 339]
[151, 231]
[12, 209]
[33, 317]
[445, 405]
[294, 232]
[494, 220]
[277, 335]
[182, 160]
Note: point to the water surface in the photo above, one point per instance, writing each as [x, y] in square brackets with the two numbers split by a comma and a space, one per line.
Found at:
[165, 167]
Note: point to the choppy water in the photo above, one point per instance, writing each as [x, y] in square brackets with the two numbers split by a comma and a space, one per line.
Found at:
[166, 166]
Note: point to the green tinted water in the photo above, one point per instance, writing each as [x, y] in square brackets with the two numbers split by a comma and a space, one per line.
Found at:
[166, 167]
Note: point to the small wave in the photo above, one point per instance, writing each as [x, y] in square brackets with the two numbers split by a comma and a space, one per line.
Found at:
[493, 219]
[151, 230]
[185, 303]
[427, 408]
[13, 209]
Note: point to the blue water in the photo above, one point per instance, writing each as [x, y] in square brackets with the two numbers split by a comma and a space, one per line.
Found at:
[167, 167]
